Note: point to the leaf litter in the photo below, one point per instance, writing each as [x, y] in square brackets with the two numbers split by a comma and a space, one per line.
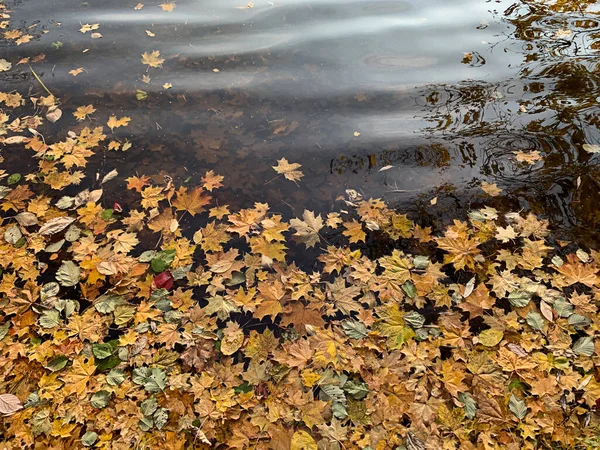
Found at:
[482, 335]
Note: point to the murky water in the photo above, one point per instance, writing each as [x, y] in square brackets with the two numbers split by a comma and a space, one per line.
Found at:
[445, 92]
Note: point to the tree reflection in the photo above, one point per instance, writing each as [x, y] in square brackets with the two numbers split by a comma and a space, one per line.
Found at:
[550, 105]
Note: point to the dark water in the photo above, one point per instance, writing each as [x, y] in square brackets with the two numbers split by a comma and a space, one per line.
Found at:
[300, 78]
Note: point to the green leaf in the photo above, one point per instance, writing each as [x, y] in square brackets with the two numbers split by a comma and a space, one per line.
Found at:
[4, 330]
[115, 377]
[578, 321]
[535, 320]
[163, 260]
[32, 399]
[68, 274]
[354, 329]
[334, 393]
[106, 303]
[100, 399]
[107, 214]
[562, 307]
[102, 351]
[153, 380]
[339, 410]
[149, 406]
[89, 438]
[146, 424]
[421, 262]
[57, 363]
[358, 391]
[519, 299]
[517, 407]
[584, 346]
[469, 404]
[13, 179]
[123, 314]
[50, 319]
[414, 319]
[409, 289]
[161, 417]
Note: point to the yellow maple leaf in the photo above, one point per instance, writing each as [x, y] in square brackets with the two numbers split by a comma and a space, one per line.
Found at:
[168, 7]
[77, 378]
[211, 181]
[76, 72]
[490, 188]
[82, 112]
[354, 232]
[193, 201]
[152, 59]
[151, 196]
[288, 170]
[89, 27]
[113, 122]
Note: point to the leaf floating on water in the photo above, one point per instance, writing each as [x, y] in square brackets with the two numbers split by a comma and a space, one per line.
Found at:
[307, 230]
[56, 225]
[168, 7]
[530, 157]
[76, 72]
[150, 33]
[138, 6]
[152, 59]
[113, 122]
[5, 65]
[288, 170]
[591, 148]
[89, 27]
[54, 115]
[83, 112]
[490, 188]
[384, 168]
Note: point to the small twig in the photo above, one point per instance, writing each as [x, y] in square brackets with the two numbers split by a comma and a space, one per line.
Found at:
[41, 82]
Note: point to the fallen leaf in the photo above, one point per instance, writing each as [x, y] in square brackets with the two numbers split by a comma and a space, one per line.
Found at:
[288, 170]
[9, 404]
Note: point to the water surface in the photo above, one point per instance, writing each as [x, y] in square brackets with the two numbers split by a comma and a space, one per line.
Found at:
[445, 92]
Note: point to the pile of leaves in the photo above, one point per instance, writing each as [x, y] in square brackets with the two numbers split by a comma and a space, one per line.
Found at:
[124, 326]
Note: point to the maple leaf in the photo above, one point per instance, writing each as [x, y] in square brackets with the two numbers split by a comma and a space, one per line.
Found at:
[354, 232]
[137, 183]
[506, 234]
[574, 271]
[490, 188]
[530, 157]
[168, 7]
[152, 59]
[211, 181]
[463, 249]
[288, 170]
[307, 230]
[76, 72]
[82, 112]
[193, 201]
[113, 122]
[151, 196]
[89, 27]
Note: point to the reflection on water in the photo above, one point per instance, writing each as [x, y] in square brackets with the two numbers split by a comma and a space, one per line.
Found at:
[449, 93]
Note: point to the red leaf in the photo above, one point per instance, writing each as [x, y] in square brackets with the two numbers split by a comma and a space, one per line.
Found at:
[164, 280]
[117, 207]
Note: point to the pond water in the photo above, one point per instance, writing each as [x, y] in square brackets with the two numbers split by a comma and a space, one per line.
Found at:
[450, 94]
